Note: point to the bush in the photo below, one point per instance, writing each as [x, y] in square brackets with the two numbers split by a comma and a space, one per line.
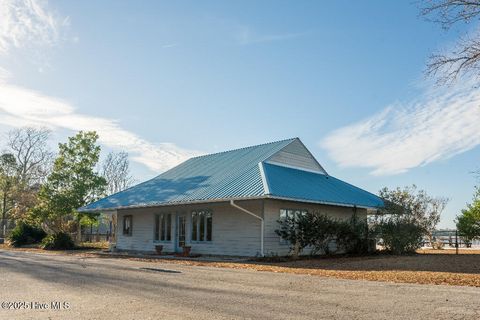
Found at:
[352, 236]
[24, 234]
[58, 241]
[400, 236]
[318, 231]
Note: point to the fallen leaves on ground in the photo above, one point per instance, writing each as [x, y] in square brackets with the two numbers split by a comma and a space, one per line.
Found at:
[439, 267]
[423, 268]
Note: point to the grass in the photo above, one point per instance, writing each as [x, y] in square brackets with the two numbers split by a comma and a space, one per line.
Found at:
[93, 245]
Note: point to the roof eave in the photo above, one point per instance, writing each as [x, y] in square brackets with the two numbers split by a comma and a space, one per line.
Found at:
[338, 204]
[168, 204]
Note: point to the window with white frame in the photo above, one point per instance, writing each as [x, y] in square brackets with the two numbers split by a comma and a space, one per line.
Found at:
[127, 225]
[290, 213]
[163, 227]
[201, 225]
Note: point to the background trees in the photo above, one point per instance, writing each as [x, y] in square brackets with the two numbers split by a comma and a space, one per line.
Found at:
[465, 56]
[468, 222]
[39, 189]
[72, 184]
[33, 157]
[116, 171]
[31, 151]
[8, 181]
[410, 206]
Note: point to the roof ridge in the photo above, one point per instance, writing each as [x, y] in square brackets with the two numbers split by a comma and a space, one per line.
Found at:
[243, 148]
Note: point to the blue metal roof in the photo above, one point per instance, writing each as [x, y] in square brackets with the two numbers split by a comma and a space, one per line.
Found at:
[235, 175]
[229, 174]
[303, 185]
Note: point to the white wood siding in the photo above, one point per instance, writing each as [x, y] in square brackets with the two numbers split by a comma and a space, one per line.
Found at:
[297, 156]
[143, 229]
[234, 232]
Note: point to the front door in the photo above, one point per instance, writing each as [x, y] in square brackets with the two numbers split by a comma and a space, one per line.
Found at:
[180, 232]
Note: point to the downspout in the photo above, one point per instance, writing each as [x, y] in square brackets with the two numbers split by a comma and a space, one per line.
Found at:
[262, 223]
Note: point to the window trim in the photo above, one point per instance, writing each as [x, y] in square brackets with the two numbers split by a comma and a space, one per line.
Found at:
[207, 213]
[159, 226]
[130, 230]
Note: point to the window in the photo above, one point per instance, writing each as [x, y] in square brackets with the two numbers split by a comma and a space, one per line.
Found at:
[201, 225]
[284, 213]
[127, 225]
[163, 227]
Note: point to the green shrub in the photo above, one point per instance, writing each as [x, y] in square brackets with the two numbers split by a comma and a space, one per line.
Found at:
[58, 241]
[352, 236]
[24, 234]
[318, 231]
[400, 236]
[307, 230]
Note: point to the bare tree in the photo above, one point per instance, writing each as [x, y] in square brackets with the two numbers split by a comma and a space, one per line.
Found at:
[464, 59]
[34, 158]
[414, 206]
[116, 170]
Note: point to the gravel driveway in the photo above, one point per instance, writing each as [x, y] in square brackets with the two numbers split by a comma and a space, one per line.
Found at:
[107, 288]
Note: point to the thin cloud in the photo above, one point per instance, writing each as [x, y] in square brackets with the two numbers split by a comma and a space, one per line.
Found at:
[23, 107]
[247, 36]
[439, 125]
[29, 25]
[170, 45]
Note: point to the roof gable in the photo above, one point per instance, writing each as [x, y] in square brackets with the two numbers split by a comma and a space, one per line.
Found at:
[296, 155]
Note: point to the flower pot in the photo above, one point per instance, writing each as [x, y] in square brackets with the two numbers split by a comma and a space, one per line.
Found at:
[158, 249]
[186, 250]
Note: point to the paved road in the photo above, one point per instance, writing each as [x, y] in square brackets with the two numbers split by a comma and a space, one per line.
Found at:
[119, 289]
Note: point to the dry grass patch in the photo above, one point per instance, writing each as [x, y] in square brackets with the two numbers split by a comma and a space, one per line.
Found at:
[439, 268]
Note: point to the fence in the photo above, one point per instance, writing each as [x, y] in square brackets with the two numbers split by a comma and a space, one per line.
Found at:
[93, 237]
[100, 234]
[448, 237]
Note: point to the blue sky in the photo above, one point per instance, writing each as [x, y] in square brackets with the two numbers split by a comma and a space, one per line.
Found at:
[165, 80]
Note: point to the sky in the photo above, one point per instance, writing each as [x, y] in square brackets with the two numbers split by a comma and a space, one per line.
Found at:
[166, 80]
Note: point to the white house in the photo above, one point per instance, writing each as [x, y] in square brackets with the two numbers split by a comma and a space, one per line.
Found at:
[229, 203]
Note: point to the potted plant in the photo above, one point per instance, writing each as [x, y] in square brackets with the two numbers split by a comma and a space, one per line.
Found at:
[159, 249]
[186, 250]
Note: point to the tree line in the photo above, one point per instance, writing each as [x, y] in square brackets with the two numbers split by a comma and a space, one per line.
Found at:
[42, 188]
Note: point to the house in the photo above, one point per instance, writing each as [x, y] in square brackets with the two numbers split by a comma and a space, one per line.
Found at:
[229, 203]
